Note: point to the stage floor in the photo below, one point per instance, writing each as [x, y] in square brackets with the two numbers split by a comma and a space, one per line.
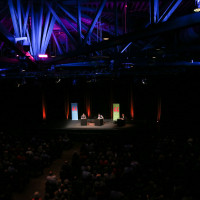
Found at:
[108, 125]
[74, 126]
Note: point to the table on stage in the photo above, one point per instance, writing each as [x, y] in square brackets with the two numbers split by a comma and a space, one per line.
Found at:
[83, 122]
[98, 122]
[121, 122]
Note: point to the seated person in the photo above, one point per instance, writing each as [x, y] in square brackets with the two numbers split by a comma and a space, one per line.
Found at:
[83, 116]
[123, 117]
[100, 116]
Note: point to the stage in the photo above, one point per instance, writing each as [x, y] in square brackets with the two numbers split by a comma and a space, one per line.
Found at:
[107, 125]
[74, 127]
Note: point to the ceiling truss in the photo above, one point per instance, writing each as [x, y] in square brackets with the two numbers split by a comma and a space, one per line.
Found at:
[78, 30]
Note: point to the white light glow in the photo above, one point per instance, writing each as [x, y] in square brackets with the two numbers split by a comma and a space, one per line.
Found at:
[43, 56]
[197, 10]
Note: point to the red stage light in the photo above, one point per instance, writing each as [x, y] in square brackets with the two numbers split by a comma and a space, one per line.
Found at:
[43, 109]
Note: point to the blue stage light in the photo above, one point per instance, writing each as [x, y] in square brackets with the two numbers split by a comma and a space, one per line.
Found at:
[197, 3]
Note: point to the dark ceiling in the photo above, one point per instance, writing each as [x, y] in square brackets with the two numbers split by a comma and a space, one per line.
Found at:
[102, 37]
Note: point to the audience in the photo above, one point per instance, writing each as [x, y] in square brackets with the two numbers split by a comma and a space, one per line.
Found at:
[106, 168]
[25, 156]
[36, 196]
[155, 167]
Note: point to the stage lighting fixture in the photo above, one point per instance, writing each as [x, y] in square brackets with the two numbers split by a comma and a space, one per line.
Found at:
[43, 56]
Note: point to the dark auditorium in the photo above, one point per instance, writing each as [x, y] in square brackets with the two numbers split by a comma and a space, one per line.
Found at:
[99, 99]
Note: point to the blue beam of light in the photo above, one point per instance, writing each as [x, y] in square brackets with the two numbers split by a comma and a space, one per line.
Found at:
[94, 21]
[170, 10]
[76, 21]
[154, 11]
[13, 16]
[73, 26]
[46, 24]
[56, 41]
[197, 3]
[85, 28]
[19, 16]
[3, 69]
[82, 36]
[124, 49]
[79, 20]
[36, 16]
[38, 42]
[33, 32]
[2, 43]
[25, 28]
[93, 35]
[49, 32]
[68, 13]
[29, 40]
[82, 64]
[25, 16]
[61, 24]
[40, 27]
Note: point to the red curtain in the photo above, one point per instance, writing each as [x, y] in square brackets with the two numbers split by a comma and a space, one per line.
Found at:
[159, 109]
[67, 107]
[132, 104]
[88, 105]
[43, 108]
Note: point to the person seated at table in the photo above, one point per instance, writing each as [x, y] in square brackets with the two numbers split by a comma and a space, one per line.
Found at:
[123, 117]
[100, 116]
[83, 116]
